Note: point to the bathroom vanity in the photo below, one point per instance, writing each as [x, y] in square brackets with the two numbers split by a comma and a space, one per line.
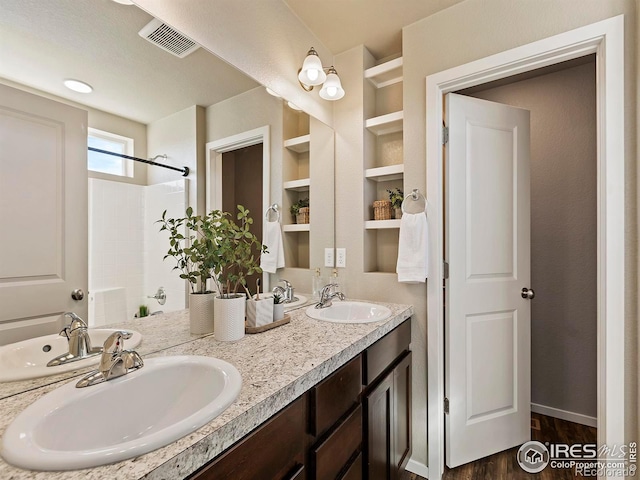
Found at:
[319, 400]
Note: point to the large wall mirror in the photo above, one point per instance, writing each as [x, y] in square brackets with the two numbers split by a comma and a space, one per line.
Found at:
[179, 111]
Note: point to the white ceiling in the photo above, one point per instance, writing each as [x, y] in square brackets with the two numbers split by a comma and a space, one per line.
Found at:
[376, 24]
[43, 42]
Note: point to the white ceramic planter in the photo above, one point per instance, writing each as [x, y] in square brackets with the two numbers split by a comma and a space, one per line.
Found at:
[229, 314]
[259, 312]
[201, 313]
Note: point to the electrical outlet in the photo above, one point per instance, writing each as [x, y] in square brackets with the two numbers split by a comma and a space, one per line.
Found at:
[341, 257]
[328, 257]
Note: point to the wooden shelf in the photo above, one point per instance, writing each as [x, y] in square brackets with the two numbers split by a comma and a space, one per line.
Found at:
[385, 124]
[385, 74]
[381, 224]
[301, 185]
[298, 144]
[296, 227]
[385, 174]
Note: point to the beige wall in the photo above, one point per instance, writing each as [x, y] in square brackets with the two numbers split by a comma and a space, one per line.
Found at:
[181, 136]
[109, 123]
[563, 234]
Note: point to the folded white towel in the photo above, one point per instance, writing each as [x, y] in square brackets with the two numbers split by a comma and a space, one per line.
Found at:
[413, 246]
[272, 238]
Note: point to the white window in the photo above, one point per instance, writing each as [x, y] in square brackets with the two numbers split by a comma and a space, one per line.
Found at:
[105, 163]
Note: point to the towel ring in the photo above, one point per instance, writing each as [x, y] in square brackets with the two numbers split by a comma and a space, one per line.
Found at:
[415, 196]
[273, 208]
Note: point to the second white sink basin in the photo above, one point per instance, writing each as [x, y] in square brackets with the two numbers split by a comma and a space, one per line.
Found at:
[28, 359]
[350, 312]
[72, 428]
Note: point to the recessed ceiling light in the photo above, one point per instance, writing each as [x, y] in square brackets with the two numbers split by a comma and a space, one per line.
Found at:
[78, 86]
[271, 92]
[293, 106]
[124, 2]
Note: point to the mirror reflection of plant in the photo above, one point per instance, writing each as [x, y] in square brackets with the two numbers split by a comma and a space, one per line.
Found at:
[196, 253]
[235, 247]
[295, 208]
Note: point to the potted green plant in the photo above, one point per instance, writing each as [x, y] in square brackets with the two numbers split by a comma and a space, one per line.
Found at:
[278, 307]
[396, 196]
[300, 210]
[235, 247]
[193, 246]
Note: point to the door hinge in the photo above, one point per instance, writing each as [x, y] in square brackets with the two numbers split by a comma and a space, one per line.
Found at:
[445, 270]
[445, 135]
[446, 405]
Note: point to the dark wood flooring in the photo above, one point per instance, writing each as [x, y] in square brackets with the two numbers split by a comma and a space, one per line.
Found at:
[504, 466]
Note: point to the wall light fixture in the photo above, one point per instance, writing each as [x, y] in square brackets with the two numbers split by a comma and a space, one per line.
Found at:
[313, 74]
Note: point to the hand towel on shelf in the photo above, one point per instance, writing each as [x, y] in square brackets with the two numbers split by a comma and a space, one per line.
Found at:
[413, 246]
[272, 239]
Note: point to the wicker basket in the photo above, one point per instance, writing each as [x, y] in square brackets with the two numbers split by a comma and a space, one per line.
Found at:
[382, 210]
[303, 215]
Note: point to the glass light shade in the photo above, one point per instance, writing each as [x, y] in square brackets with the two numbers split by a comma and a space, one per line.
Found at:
[332, 88]
[312, 73]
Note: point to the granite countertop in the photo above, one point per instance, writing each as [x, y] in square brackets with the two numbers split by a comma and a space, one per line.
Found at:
[276, 366]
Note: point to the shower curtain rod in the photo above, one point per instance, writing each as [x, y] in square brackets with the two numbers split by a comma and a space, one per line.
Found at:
[184, 170]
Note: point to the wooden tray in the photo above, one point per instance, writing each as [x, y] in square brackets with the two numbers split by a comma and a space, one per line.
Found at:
[286, 319]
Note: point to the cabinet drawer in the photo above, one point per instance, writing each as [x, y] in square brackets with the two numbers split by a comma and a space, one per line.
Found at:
[335, 396]
[382, 353]
[355, 470]
[333, 454]
[274, 451]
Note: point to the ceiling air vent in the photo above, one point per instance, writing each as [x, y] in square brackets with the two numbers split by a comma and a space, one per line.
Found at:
[165, 37]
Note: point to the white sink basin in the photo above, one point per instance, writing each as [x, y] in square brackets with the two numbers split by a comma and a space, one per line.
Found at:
[28, 359]
[349, 312]
[72, 428]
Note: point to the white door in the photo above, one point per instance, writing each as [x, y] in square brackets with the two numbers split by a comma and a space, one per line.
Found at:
[487, 321]
[43, 213]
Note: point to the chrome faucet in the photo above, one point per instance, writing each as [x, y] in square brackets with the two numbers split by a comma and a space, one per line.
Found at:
[286, 293]
[115, 361]
[327, 294]
[79, 342]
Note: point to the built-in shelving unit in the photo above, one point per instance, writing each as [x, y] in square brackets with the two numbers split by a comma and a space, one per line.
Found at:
[298, 144]
[382, 224]
[384, 163]
[385, 74]
[385, 174]
[300, 185]
[296, 227]
[296, 185]
[385, 124]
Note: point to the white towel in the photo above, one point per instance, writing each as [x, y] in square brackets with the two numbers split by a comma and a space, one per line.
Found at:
[413, 260]
[272, 238]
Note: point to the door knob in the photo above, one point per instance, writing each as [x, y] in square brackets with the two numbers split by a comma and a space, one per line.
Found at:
[528, 293]
[77, 294]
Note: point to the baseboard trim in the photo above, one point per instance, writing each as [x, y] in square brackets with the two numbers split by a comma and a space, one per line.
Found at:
[564, 415]
[418, 468]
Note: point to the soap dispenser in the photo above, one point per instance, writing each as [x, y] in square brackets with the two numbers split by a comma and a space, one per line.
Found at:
[317, 283]
[338, 281]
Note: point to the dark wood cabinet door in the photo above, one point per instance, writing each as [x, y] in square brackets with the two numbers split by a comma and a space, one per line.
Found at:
[401, 415]
[275, 451]
[379, 415]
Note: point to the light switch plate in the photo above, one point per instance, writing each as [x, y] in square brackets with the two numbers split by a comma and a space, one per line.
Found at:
[341, 257]
[328, 257]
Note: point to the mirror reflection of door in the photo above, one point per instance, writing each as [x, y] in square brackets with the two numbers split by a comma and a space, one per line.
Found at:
[242, 185]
